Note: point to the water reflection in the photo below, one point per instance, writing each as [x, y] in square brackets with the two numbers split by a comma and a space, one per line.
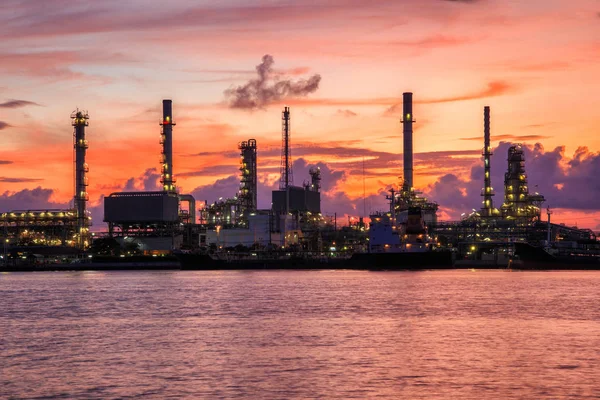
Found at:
[300, 334]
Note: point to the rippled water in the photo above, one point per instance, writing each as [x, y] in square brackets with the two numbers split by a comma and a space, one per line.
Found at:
[300, 334]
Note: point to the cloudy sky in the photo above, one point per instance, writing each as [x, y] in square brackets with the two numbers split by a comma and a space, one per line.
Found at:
[341, 65]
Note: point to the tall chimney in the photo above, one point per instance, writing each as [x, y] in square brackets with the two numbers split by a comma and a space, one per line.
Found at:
[408, 120]
[487, 191]
[287, 177]
[166, 139]
[79, 119]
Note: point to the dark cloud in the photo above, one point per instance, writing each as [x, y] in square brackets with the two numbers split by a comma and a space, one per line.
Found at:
[211, 170]
[18, 180]
[5, 162]
[346, 113]
[149, 181]
[375, 161]
[17, 104]
[29, 199]
[269, 88]
[567, 183]
[4, 125]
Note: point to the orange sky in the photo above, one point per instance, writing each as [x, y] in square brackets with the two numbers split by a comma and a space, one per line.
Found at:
[535, 63]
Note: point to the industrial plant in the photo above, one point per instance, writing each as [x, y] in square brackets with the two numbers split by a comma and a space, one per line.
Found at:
[55, 231]
[156, 223]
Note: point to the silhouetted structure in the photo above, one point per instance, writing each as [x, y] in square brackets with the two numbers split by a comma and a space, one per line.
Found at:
[408, 120]
[166, 139]
[287, 176]
[487, 192]
[80, 145]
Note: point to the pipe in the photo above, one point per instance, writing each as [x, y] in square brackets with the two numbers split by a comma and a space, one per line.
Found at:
[191, 205]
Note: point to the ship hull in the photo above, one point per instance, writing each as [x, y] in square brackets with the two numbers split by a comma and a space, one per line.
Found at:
[536, 258]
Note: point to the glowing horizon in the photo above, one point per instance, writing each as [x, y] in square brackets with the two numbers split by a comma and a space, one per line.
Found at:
[534, 64]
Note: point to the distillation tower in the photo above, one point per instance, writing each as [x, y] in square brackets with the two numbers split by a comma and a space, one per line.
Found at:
[249, 180]
[79, 120]
[518, 204]
[287, 177]
[487, 192]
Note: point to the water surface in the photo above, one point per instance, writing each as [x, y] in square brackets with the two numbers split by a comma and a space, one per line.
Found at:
[300, 334]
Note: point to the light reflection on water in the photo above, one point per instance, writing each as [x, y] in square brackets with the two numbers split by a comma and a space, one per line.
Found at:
[300, 334]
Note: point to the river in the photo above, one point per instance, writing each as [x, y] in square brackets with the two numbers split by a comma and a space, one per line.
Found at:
[300, 334]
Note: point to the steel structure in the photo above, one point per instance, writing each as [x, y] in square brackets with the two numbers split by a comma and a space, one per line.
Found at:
[249, 180]
[41, 228]
[315, 179]
[166, 140]
[287, 176]
[518, 203]
[487, 192]
[79, 120]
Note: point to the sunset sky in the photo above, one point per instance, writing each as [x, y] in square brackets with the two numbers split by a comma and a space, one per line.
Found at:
[534, 62]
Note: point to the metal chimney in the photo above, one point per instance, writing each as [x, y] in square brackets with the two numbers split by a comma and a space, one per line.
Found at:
[487, 192]
[166, 139]
[408, 120]
[287, 177]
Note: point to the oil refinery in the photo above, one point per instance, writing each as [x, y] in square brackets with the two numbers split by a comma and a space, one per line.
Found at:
[161, 223]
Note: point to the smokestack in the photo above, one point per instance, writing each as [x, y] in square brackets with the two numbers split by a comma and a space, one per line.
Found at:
[407, 120]
[166, 139]
[487, 192]
[79, 119]
[287, 177]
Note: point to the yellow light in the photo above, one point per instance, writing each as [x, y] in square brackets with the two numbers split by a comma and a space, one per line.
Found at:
[408, 117]
[168, 118]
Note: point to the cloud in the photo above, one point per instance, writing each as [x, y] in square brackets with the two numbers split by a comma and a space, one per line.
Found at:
[17, 104]
[463, 1]
[6, 162]
[147, 182]
[4, 125]
[269, 88]
[346, 113]
[494, 88]
[29, 199]
[394, 104]
[516, 138]
[566, 182]
[211, 170]
[18, 180]
[431, 42]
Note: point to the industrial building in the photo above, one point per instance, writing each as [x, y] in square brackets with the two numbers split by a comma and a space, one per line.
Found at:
[54, 232]
[405, 227]
[154, 219]
[489, 234]
[295, 210]
[234, 212]
[290, 198]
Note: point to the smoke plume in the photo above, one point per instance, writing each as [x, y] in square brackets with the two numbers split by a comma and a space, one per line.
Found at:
[269, 88]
